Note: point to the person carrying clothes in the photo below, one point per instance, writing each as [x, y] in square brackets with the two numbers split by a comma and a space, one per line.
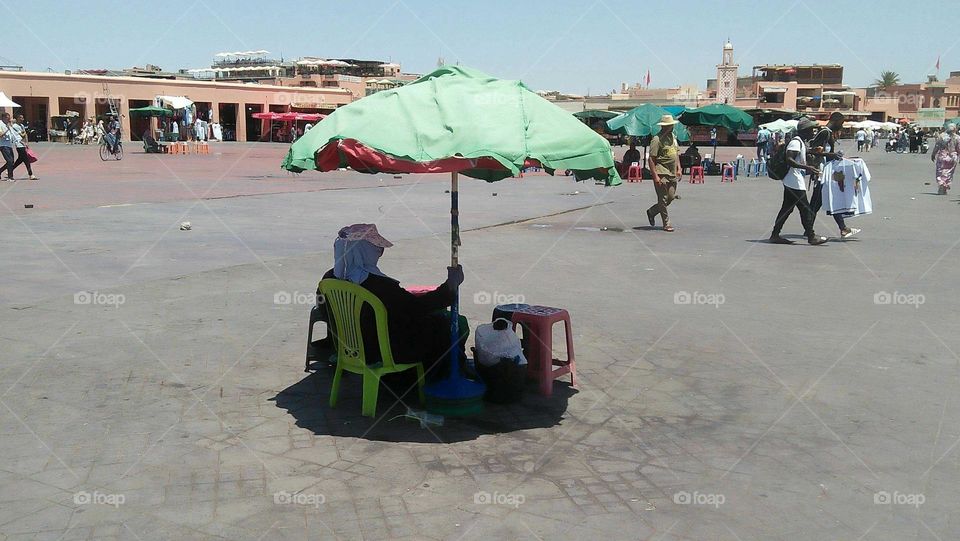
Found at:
[19, 136]
[824, 148]
[419, 326]
[795, 186]
[664, 164]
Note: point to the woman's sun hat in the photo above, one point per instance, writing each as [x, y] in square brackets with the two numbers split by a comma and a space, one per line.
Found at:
[667, 120]
[367, 232]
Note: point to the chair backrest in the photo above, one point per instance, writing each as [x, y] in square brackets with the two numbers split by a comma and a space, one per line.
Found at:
[345, 301]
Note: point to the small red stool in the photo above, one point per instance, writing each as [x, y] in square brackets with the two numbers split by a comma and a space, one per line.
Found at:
[635, 173]
[419, 290]
[537, 322]
[727, 173]
[696, 174]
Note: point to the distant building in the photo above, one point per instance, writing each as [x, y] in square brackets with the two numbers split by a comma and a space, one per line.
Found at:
[360, 77]
[43, 96]
[903, 101]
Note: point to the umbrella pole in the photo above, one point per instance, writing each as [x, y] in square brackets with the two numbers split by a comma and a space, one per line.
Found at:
[454, 261]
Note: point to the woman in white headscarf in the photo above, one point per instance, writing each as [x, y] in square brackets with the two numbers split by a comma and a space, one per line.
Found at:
[418, 325]
[945, 154]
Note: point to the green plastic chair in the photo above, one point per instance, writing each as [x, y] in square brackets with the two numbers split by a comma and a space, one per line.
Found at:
[344, 302]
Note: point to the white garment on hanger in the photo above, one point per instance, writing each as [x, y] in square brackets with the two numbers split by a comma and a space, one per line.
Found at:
[839, 192]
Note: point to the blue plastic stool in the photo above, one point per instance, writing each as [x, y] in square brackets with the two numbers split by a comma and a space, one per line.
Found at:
[738, 165]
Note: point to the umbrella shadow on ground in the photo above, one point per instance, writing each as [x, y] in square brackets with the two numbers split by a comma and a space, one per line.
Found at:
[308, 402]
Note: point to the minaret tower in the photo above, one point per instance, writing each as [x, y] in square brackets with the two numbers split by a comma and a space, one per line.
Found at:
[727, 76]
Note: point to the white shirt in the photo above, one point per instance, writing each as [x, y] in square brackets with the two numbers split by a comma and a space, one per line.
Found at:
[794, 178]
[7, 139]
[840, 194]
[17, 134]
[861, 135]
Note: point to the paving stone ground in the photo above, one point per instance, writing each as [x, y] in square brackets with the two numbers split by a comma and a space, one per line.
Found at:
[799, 405]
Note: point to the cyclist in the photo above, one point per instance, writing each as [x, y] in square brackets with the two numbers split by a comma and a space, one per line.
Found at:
[113, 133]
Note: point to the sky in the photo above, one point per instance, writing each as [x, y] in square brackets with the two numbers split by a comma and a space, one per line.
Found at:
[571, 46]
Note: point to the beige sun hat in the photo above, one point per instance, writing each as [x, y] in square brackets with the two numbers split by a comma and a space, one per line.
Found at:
[367, 232]
[667, 120]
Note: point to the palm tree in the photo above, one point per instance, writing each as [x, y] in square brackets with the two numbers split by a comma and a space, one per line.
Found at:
[887, 79]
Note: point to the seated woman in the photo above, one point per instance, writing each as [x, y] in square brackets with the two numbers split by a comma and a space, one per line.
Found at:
[418, 324]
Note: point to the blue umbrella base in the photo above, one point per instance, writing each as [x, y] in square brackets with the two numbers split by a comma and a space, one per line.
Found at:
[456, 396]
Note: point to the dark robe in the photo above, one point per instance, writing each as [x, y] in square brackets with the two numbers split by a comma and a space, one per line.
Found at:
[418, 325]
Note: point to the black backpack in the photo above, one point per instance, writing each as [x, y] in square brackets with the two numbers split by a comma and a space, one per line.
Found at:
[777, 166]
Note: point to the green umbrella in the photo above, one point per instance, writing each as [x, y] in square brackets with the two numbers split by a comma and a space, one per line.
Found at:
[642, 121]
[954, 121]
[151, 110]
[718, 114]
[454, 120]
[602, 114]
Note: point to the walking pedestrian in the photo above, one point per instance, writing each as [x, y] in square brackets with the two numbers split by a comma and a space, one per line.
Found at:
[868, 140]
[945, 154]
[763, 140]
[824, 148]
[6, 145]
[664, 164]
[19, 136]
[795, 186]
[861, 137]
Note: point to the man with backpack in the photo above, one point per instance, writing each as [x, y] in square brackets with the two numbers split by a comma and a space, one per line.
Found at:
[789, 165]
[824, 148]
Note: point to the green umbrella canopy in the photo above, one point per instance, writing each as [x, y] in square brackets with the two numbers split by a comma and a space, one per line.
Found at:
[954, 121]
[718, 114]
[642, 121]
[602, 114]
[151, 110]
[454, 119]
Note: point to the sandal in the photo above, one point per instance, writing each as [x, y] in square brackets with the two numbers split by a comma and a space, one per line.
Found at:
[668, 228]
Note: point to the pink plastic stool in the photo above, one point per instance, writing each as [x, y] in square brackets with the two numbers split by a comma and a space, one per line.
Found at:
[537, 322]
[420, 290]
[696, 174]
[635, 173]
[728, 173]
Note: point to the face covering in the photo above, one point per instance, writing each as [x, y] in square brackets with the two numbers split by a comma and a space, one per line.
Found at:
[355, 260]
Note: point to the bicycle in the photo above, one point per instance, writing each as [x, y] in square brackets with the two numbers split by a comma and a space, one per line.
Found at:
[106, 152]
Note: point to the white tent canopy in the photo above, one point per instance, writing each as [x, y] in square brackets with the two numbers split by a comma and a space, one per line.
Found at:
[310, 61]
[780, 125]
[260, 52]
[175, 102]
[874, 125]
[7, 102]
